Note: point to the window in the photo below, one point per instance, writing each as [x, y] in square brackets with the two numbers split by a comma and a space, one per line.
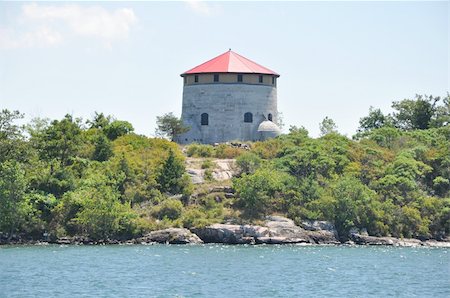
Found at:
[248, 117]
[273, 80]
[196, 78]
[185, 80]
[216, 78]
[269, 117]
[260, 79]
[239, 78]
[204, 119]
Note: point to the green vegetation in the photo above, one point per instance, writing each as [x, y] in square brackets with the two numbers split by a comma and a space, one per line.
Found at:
[393, 181]
[98, 179]
[170, 126]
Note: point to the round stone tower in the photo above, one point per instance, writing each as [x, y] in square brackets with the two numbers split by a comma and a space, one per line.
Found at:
[227, 98]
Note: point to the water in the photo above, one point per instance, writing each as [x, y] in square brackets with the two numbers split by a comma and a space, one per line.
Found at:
[223, 271]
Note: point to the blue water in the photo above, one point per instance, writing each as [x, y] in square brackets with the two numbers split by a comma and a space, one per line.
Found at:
[223, 271]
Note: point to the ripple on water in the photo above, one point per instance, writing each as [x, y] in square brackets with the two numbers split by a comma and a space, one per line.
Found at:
[214, 270]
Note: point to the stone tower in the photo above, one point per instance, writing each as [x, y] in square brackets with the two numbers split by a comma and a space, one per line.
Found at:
[229, 98]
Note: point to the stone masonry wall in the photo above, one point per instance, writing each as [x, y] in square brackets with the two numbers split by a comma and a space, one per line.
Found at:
[226, 105]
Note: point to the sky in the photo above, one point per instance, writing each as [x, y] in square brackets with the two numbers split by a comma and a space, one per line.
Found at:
[124, 59]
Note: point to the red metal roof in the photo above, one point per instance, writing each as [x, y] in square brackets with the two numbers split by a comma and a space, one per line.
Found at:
[230, 62]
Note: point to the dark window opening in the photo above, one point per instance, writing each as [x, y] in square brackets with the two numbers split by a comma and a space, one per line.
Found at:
[204, 119]
[216, 78]
[196, 78]
[239, 78]
[248, 117]
[260, 79]
[269, 117]
[273, 80]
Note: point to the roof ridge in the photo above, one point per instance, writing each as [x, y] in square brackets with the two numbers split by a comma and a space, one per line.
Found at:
[246, 59]
[210, 60]
[230, 62]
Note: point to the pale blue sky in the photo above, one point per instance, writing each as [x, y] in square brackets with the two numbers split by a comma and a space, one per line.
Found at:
[335, 58]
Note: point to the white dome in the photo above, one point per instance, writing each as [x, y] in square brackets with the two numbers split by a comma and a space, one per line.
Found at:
[268, 126]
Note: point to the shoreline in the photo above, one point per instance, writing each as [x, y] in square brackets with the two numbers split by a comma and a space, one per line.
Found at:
[276, 230]
[423, 244]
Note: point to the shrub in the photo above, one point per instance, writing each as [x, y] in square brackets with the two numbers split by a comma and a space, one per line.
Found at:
[170, 209]
[199, 150]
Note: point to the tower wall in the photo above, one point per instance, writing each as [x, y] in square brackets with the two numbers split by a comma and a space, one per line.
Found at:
[226, 105]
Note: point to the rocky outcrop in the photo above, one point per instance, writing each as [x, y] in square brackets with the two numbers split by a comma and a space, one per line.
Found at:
[391, 241]
[230, 234]
[322, 232]
[170, 236]
[223, 169]
[276, 230]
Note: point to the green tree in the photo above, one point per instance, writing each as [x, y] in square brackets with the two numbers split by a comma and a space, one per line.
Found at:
[351, 199]
[12, 196]
[12, 145]
[103, 148]
[61, 140]
[327, 126]
[170, 208]
[415, 114]
[375, 120]
[258, 192]
[170, 126]
[118, 128]
[172, 178]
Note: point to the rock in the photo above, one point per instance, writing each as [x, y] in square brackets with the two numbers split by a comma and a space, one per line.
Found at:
[274, 221]
[434, 243]
[281, 240]
[228, 234]
[225, 189]
[63, 240]
[318, 232]
[371, 240]
[171, 236]
[322, 232]
[197, 176]
[277, 230]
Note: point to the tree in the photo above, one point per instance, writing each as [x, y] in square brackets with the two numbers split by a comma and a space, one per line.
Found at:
[103, 148]
[171, 179]
[351, 198]
[415, 114]
[376, 119]
[11, 139]
[170, 126]
[327, 126]
[12, 196]
[258, 191]
[118, 128]
[102, 216]
[61, 140]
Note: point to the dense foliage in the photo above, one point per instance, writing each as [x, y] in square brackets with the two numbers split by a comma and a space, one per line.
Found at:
[97, 178]
[393, 181]
[69, 177]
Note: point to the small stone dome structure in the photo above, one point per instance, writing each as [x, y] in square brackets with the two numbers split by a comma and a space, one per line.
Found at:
[226, 99]
[267, 129]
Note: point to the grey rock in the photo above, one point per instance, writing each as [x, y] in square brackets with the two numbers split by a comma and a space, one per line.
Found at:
[197, 176]
[223, 233]
[277, 230]
[171, 236]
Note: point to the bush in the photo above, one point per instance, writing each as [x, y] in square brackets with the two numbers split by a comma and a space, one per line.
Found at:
[248, 162]
[208, 164]
[170, 209]
[199, 150]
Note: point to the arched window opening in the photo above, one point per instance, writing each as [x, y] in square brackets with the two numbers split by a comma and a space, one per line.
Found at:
[248, 117]
[269, 117]
[204, 119]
